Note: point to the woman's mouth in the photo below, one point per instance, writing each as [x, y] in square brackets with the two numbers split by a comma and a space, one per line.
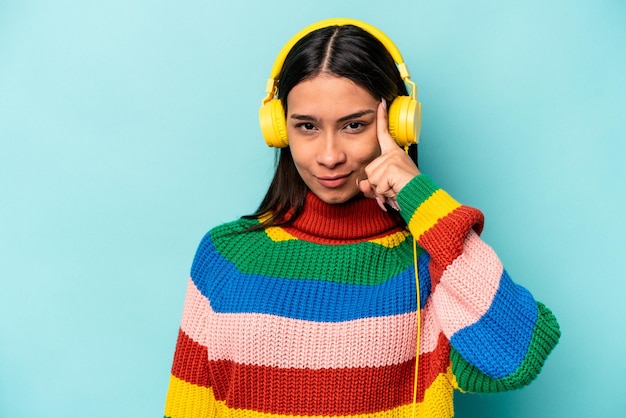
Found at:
[333, 182]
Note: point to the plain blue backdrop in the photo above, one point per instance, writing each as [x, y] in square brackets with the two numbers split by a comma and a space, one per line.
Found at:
[129, 128]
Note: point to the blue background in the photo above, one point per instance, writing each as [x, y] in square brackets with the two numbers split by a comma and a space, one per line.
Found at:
[129, 128]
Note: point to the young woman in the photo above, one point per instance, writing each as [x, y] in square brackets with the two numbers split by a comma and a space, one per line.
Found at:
[310, 307]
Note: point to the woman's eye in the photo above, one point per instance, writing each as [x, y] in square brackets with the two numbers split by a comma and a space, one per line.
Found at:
[306, 126]
[355, 126]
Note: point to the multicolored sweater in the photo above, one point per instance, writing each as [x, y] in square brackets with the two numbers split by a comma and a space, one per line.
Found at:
[318, 318]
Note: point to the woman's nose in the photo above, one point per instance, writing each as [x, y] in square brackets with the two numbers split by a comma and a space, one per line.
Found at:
[330, 152]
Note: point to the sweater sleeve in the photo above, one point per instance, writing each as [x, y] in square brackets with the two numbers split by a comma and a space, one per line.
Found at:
[189, 393]
[499, 334]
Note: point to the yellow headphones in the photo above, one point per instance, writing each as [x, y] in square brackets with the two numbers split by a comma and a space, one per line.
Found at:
[405, 112]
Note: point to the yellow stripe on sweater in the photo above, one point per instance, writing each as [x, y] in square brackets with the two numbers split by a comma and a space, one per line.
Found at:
[277, 234]
[436, 207]
[392, 240]
[185, 400]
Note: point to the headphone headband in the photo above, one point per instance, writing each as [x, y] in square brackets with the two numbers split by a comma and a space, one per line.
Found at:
[270, 87]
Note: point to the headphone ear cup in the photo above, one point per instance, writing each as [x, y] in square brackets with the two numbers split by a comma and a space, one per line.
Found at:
[273, 125]
[405, 120]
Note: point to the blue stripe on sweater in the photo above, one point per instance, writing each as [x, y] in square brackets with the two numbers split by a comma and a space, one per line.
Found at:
[230, 291]
[512, 316]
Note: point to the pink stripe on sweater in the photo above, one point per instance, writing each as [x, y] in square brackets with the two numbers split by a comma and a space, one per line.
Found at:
[270, 340]
[468, 286]
[195, 313]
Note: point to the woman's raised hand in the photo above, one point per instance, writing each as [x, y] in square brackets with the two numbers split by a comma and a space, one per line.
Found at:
[391, 170]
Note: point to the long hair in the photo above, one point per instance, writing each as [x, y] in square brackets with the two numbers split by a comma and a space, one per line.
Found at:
[343, 51]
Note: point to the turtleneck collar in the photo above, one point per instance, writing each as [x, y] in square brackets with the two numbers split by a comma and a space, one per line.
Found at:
[359, 219]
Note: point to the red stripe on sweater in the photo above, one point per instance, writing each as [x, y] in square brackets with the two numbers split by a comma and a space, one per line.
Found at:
[345, 391]
[190, 361]
[444, 241]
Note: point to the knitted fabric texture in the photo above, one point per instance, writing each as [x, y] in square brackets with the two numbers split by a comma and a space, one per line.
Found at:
[318, 318]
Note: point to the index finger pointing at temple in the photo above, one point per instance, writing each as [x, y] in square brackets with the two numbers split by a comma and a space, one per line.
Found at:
[385, 141]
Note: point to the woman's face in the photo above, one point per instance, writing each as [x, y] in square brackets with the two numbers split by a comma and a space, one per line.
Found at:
[331, 125]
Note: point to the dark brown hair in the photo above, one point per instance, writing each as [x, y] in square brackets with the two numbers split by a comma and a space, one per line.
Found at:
[344, 51]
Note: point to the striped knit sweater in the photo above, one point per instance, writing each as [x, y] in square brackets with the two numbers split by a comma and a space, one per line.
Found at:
[318, 318]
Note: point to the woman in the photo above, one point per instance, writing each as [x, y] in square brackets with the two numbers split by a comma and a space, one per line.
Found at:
[309, 306]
